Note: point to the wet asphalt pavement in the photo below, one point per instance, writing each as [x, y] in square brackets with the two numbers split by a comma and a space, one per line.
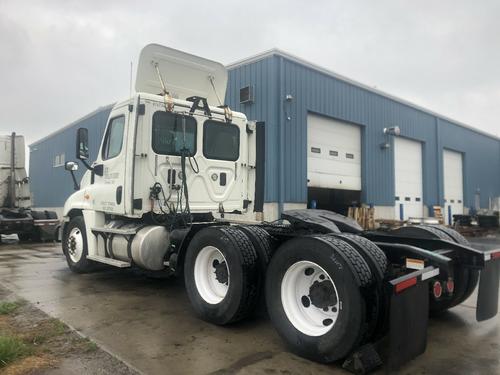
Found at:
[149, 323]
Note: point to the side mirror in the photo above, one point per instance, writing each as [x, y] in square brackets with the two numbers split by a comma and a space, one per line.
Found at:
[71, 166]
[82, 144]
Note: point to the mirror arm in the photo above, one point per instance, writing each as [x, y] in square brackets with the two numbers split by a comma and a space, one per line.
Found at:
[76, 186]
[87, 165]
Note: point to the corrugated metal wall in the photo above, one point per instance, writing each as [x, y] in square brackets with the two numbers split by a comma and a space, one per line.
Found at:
[275, 76]
[51, 185]
[263, 76]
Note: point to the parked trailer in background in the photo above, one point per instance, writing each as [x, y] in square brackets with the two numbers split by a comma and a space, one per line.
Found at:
[174, 191]
[16, 215]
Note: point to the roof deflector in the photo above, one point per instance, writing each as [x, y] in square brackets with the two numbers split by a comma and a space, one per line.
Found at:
[185, 75]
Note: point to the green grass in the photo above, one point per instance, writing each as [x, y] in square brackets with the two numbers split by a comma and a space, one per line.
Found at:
[90, 346]
[8, 307]
[12, 348]
[48, 330]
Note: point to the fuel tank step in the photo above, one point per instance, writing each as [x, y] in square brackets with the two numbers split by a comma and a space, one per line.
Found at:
[111, 262]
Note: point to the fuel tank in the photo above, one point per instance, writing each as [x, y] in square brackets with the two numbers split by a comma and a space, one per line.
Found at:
[146, 249]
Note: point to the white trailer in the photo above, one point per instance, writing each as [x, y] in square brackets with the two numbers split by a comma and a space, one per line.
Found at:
[16, 215]
[175, 189]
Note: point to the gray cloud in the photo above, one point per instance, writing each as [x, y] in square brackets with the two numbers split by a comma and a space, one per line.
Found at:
[62, 59]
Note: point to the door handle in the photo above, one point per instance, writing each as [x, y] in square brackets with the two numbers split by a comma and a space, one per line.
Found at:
[119, 191]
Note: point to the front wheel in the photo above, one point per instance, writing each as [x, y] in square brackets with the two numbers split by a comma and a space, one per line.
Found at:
[75, 246]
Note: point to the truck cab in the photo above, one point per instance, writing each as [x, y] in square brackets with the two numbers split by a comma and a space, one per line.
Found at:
[171, 154]
[141, 159]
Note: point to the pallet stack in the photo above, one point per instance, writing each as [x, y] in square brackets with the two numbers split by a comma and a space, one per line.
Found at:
[438, 214]
[365, 216]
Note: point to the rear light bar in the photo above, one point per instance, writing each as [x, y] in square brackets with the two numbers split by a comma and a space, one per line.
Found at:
[404, 282]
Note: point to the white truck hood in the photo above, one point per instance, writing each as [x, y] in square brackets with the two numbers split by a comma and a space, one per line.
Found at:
[184, 74]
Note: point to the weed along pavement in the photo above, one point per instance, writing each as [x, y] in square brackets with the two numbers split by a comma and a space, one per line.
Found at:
[149, 324]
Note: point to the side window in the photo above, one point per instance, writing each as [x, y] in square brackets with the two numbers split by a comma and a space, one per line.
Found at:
[114, 138]
[169, 137]
[221, 141]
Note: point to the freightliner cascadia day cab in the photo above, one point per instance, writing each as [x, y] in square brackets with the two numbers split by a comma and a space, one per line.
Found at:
[175, 170]
[16, 214]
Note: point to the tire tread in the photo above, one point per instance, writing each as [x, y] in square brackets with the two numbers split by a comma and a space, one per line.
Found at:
[249, 259]
[359, 266]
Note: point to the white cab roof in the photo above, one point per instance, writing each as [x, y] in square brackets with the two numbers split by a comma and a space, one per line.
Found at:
[184, 74]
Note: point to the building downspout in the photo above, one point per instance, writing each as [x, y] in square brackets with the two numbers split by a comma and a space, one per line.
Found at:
[281, 142]
[439, 169]
[12, 177]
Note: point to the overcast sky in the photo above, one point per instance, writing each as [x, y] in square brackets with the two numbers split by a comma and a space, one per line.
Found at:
[60, 60]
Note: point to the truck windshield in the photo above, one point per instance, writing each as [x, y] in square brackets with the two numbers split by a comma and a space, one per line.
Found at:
[168, 135]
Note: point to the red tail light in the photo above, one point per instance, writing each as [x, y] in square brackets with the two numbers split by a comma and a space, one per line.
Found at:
[450, 286]
[437, 289]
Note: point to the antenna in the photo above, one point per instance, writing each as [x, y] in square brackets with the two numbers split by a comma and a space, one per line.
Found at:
[130, 86]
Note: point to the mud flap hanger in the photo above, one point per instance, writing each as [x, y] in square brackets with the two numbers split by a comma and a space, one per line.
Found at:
[487, 262]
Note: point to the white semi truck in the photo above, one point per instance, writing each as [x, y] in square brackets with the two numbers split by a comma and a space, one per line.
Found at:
[16, 215]
[176, 188]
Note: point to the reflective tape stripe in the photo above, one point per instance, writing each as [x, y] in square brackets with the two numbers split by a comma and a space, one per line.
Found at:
[429, 274]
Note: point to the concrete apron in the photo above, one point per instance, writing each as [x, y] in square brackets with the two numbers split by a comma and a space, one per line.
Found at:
[150, 325]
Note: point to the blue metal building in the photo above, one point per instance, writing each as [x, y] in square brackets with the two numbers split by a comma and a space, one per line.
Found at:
[286, 92]
[50, 183]
[276, 76]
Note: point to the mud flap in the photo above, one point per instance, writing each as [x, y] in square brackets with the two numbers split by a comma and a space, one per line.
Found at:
[487, 297]
[409, 317]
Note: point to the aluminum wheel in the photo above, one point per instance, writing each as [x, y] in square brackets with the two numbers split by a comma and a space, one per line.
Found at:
[211, 275]
[310, 299]
[75, 245]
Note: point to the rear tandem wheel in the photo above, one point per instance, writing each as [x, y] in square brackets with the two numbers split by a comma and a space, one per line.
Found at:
[220, 271]
[315, 290]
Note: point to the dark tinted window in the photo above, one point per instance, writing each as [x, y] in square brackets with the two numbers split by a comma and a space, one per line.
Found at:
[221, 141]
[169, 138]
[114, 138]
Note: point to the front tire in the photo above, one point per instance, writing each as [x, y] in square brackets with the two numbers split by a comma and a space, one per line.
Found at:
[75, 246]
[314, 294]
[220, 274]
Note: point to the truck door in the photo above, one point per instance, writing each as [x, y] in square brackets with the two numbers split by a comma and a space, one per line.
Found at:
[109, 190]
[223, 166]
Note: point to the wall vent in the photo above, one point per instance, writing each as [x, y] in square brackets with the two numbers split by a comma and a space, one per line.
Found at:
[246, 95]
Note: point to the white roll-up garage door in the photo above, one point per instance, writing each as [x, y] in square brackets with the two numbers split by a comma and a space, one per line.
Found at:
[333, 154]
[453, 185]
[408, 178]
